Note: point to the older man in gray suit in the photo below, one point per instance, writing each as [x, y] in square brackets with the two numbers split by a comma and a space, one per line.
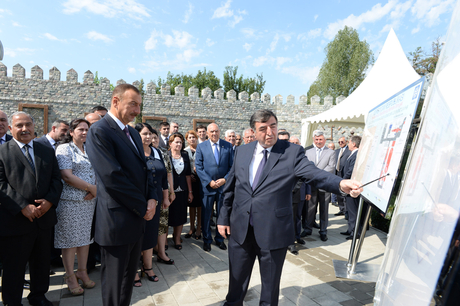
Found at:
[324, 158]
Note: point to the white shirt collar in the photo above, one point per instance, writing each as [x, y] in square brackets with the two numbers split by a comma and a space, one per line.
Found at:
[3, 137]
[212, 143]
[118, 121]
[259, 148]
[51, 140]
[21, 145]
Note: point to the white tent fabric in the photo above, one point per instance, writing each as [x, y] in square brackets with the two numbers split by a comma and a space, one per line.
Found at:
[391, 73]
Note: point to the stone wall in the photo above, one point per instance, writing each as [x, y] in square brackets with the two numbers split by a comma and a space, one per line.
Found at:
[71, 99]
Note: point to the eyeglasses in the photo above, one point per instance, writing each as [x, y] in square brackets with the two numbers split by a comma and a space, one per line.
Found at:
[341, 141]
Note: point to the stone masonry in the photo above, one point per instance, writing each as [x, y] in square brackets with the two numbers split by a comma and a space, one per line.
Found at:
[53, 99]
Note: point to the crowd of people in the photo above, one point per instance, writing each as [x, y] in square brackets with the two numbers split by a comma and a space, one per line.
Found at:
[105, 189]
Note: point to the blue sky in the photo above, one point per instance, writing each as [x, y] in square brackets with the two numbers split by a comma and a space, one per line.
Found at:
[134, 39]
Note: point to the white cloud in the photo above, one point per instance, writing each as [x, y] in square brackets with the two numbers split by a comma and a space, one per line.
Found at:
[307, 75]
[401, 9]
[187, 55]
[131, 70]
[247, 46]
[280, 61]
[188, 13]
[224, 11]
[415, 30]
[316, 17]
[52, 37]
[13, 52]
[430, 10]
[259, 61]
[248, 32]
[180, 39]
[27, 39]
[209, 42]
[310, 35]
[15, 24]
[108, 8]
[93, 35]
[376, 13]
[151, 43]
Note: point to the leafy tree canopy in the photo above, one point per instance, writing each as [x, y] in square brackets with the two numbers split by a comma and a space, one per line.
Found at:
[424, 63]
[343, 70]
[240, 84]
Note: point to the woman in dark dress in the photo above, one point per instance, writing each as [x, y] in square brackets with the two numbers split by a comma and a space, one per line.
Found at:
[157, 168]
[194, 206]
[182, 186]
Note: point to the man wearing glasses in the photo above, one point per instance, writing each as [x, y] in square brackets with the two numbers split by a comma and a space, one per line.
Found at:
[341, 157]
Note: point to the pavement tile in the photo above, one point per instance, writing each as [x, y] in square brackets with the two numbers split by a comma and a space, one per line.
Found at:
[351, 303]
[359, 295]
[341, 286]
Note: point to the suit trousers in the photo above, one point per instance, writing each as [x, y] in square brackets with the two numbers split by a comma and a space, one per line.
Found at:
[34, 248]
[206, 212]
[323, 199]
[297, 215]
[353, 205]
[119, 265]
[342, 203]
[241, 261]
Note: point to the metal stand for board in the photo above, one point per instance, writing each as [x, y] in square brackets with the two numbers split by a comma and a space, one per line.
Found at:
[351, 269]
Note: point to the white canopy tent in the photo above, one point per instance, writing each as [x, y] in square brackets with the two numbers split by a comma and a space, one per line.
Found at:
[391, 73]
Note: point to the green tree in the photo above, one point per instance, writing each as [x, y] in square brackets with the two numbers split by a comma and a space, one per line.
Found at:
[240, 84]
[138, 118]
[97, 80]
[424, 63]
[201, 80]
[343, 70]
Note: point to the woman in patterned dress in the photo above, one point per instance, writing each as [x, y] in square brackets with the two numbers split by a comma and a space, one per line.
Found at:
[76, 206]
[164, 210]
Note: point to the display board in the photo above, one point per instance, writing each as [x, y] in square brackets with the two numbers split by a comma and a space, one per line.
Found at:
[383, 143]
[427, 209]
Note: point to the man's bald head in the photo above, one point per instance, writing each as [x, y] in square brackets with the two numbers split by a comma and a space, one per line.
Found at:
[93, 117]
[213, 132]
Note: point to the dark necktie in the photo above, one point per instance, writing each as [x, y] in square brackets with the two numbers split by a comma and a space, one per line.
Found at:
[216, 153]
[127, 132]
[257, 178]
[260, 169]
[28, 157]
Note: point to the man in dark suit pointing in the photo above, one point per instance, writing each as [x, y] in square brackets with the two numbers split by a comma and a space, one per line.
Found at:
[125, 194]
[257, 212]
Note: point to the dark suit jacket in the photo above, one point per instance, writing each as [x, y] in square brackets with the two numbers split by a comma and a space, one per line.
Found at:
[161, 143]
[206, 166]
[44, 141]
[123, 183]
[8, 137]
[347, 169]
[19, 187]
[271, 200]
[343, 159]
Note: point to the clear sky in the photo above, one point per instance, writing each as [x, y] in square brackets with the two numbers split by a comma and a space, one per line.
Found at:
[134, 39]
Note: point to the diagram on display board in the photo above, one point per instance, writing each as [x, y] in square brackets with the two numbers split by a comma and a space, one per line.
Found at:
[383, 143]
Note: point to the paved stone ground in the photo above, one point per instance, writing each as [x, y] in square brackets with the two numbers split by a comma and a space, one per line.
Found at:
[200, 278]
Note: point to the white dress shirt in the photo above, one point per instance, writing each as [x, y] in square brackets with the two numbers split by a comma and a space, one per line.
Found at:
[31, 149]
[256, 159]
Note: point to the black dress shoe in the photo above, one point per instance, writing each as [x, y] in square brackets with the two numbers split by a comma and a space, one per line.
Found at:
[347, 233]
[323, 237]
[42, 302]
[300, 241]
[293, 250]
[351, 237]
[305, 233]
[315, 225]
[221, 245]
[207, 247]
[340, 213]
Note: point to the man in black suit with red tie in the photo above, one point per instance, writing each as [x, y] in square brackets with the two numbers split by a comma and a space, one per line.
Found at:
[125, 194]
[257, 207]
[30, 188]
